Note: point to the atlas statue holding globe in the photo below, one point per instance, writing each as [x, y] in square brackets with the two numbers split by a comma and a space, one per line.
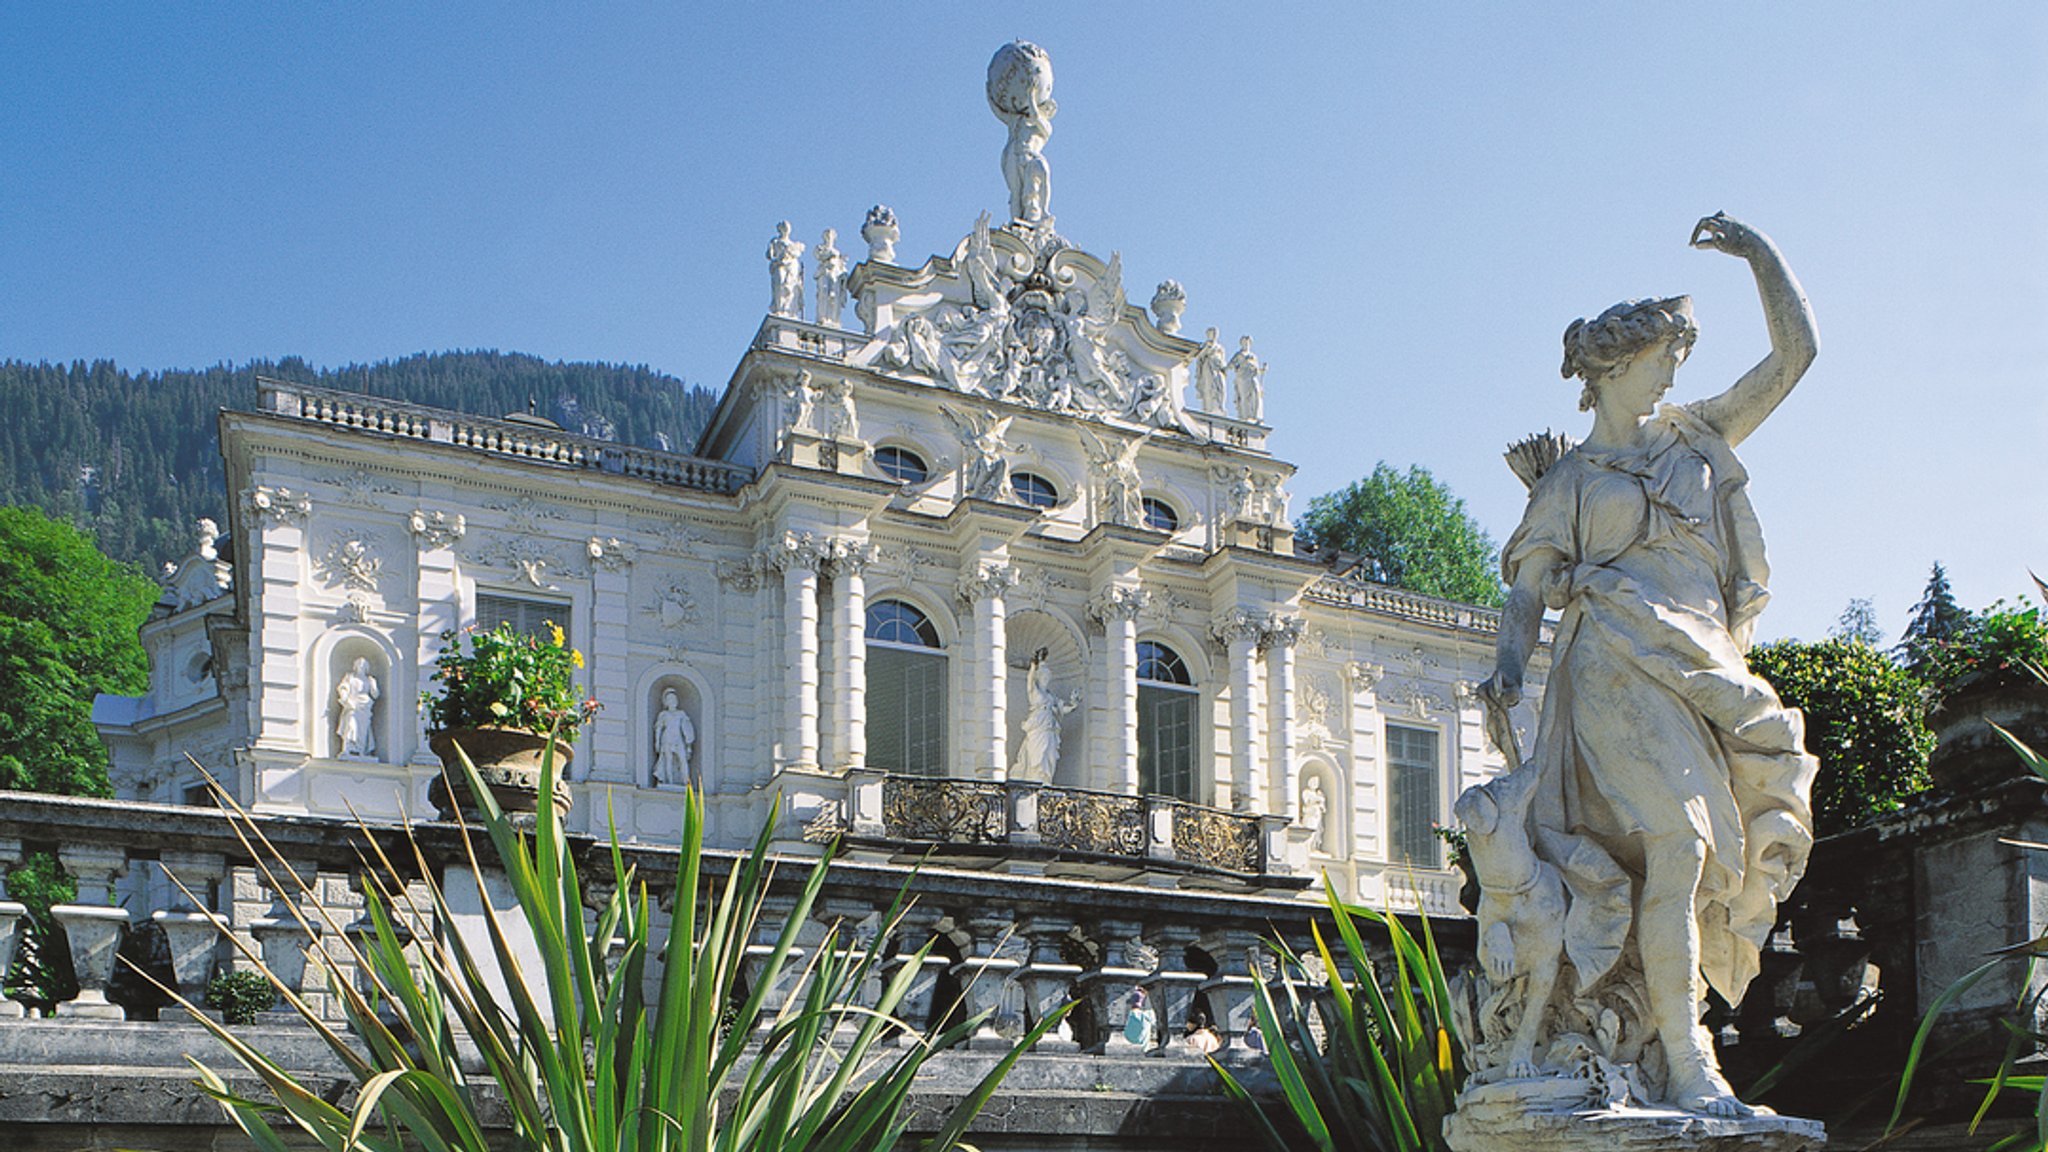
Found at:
[1020, 93]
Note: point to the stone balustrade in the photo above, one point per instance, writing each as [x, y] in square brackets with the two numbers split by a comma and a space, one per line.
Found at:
[495, 437]
[167, 885]
[1356, 592]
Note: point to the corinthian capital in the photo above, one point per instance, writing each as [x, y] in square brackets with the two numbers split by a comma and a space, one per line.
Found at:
[985, 579]
[1235, 624]
[1280, 630]
[1115, 603]
[850, 557]
[799, 550]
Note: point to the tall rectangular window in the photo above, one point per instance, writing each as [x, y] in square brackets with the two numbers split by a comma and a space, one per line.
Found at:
[1166, 741]
[1413, 795]
[906, 711]
[529, 616]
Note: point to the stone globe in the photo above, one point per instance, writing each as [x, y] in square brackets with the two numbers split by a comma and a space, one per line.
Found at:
[1019, 75]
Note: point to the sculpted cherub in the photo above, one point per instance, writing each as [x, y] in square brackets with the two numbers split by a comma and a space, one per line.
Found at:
[1521, 903]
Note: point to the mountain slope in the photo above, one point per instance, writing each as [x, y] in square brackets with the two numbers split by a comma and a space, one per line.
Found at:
[133, 457]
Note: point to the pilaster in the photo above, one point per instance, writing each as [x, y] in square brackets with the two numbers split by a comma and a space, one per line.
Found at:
[848, 749]
[799, 556]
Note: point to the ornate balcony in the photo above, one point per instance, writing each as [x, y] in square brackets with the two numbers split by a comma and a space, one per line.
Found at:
[1039, 823]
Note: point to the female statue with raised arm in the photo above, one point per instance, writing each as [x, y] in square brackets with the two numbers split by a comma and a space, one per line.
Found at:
[1673, 786]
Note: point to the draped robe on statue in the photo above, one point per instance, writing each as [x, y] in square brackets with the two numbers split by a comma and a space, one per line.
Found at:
[1652, 723]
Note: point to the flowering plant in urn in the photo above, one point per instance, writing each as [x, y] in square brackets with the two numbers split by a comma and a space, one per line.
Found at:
[505, 700]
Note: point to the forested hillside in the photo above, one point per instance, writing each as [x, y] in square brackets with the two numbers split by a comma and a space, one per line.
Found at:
[133, 457]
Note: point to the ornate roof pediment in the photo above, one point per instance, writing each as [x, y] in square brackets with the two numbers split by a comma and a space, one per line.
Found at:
[1016, 314]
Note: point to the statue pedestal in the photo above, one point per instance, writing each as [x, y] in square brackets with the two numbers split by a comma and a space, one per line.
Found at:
[1548, 1115]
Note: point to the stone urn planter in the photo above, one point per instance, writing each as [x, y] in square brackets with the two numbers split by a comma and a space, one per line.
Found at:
[1967, 751]
[508, 759]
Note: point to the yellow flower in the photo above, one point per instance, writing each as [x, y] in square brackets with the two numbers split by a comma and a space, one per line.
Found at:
[557, 629]
[576, 657]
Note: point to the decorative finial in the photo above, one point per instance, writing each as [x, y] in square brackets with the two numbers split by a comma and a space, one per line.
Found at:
[1020, 94]
[1167, 304]
[881, 233]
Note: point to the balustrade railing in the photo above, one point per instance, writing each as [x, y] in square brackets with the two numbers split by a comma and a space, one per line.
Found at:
[166, 885]
[495, 437]
[1353, 592]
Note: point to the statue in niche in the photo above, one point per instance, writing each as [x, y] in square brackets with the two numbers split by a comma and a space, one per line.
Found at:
[1248, 382]
[1119, 493]
[1315, 807]
[1020, 94]
[830, 273]
[674, 739]
[785, 274]
[1039, 757]
[1210, 371]
[355, 701]
[981, 435]
[1669, 789]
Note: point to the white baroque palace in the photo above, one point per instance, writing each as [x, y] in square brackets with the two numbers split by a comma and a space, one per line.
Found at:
[1001, 522]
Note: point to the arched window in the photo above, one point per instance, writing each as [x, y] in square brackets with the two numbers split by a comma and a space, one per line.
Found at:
[1168, 705]
[1034, 490]
[901, 465]
[1160, 516]
[906, 691]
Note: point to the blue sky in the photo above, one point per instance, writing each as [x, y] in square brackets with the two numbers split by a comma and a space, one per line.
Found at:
[1403, 205]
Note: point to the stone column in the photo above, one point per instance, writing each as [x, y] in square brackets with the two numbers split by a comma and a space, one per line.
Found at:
[799, 557]
[1118, 608]
[608, 749]
[849, 750]
[982, 586]
[92, 926]
[1238, 631]
[1278, 638]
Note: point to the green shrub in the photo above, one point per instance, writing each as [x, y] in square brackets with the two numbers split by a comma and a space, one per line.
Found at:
[240, 997]
[1865, 723]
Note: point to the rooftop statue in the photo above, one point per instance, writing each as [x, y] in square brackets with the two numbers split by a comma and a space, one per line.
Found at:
[785, 274]
[1020, 93]
[1665, 807]
[831, 276]
[1248, 377]
[1210, 370]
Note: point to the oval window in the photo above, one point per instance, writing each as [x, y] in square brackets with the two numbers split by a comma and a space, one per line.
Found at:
[1034, 490]
[901, 465]
[1159, 515]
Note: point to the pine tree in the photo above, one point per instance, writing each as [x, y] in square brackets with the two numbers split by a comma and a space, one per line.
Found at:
[1937, 620]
